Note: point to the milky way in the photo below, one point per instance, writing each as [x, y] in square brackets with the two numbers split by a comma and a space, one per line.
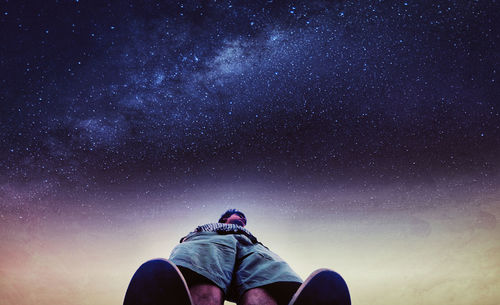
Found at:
[382, 117]
[97, 94]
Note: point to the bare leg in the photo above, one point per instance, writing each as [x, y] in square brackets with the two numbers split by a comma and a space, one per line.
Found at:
[206, 294]
[257, 296]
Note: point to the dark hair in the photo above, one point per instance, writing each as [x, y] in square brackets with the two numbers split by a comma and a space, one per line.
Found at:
[230, 212]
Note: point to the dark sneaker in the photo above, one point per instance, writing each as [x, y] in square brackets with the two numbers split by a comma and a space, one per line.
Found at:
[157, 282]
[322, 287]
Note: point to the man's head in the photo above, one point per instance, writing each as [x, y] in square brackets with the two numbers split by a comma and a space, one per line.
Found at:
[234, 216]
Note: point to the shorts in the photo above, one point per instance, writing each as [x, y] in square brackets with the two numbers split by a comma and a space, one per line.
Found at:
[232, 262]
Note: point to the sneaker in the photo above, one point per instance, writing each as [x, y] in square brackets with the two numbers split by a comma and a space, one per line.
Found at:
[322, 287]
[157, 282]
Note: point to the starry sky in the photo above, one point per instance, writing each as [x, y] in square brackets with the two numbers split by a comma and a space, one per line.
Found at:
[124, 124]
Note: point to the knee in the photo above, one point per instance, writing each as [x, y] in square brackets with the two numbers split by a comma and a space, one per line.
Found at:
[257, 296]
[206, 294]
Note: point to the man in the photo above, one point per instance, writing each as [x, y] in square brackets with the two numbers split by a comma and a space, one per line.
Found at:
[225, 261]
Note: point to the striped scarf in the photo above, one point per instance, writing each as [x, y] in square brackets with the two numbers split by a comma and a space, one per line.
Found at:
[223, 228]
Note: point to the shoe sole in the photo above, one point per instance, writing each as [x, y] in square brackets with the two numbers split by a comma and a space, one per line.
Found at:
[322, 287]
[157, 282]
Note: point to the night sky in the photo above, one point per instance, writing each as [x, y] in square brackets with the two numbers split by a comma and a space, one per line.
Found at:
[376, 119]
